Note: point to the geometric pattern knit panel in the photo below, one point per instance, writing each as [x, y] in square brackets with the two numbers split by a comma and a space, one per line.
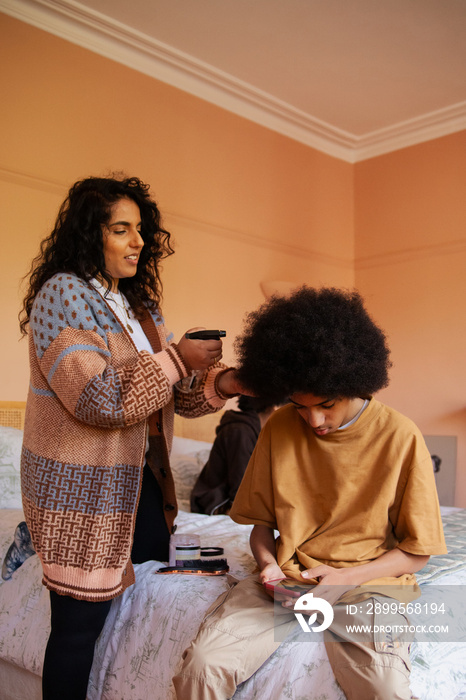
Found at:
[100, 402]
[109, 549]
[194, 406]
[81, 488]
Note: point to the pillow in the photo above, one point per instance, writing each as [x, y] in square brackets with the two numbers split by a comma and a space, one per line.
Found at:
[11, 440]
[184, 446]
[187, 460]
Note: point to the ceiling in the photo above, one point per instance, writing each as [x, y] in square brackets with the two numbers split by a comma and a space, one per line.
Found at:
[353, 78]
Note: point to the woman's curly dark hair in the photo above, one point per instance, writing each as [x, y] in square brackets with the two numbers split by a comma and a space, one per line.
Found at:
[76, 242]
[317, 341]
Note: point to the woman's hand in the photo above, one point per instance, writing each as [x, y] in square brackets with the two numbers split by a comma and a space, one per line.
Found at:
[200, 354]
[229, 385]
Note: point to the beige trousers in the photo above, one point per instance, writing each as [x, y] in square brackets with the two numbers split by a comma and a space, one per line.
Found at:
[239, 634]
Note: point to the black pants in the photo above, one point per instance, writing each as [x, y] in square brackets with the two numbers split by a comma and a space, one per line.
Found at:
[77, 624]
[151, 536]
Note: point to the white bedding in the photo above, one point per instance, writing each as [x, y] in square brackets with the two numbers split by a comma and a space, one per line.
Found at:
[151, 624]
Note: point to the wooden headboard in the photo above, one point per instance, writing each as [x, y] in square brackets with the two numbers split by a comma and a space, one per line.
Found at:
[12, 416]
[198, 428]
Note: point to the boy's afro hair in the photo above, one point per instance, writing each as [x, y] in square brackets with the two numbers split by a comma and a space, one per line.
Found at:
[317, 341]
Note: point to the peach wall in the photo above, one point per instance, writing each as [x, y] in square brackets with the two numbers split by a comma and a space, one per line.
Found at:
[244, 204]
[410, 214]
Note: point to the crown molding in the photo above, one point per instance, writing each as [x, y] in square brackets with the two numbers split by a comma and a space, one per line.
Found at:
[411, 132]
[103, 35]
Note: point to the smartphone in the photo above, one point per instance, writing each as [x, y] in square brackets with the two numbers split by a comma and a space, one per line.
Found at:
[286, 587]
[206, 335]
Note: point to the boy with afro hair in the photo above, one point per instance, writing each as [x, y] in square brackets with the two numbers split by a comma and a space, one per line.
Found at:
[346, 481]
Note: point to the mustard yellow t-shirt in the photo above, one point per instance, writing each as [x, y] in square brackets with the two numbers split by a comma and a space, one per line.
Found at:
[345, 498]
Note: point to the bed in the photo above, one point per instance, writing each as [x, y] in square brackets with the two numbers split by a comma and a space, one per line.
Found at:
[151, 624]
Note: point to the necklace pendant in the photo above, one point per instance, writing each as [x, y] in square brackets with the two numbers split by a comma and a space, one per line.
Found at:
[129, 328]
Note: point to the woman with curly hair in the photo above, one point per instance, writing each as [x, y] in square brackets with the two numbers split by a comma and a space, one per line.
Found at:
[348, 484]
[98, 493]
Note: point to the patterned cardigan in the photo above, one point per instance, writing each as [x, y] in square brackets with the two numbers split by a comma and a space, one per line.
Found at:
[90, 397]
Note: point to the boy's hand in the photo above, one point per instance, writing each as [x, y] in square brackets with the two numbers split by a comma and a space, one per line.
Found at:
[271, 572]
[328, 574]
[332, 583]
